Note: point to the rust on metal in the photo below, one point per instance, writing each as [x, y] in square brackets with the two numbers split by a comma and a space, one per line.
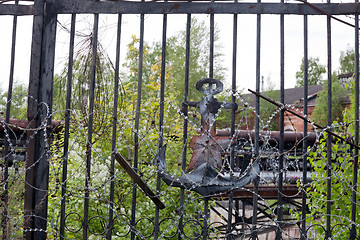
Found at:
[273, 136]
[264, 191]
[208, 147]
[304, 118]
[24, 125]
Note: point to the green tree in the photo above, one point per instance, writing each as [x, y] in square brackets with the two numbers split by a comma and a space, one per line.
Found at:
[339, 93]
[315, 71]
[175, 60]
[18, 100]
[81, 74]
[81, 87]
[199, 58]
[347, 61]
[101, 146]
[268, 109]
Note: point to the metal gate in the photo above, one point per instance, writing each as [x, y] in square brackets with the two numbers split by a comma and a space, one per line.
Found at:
[100, 154]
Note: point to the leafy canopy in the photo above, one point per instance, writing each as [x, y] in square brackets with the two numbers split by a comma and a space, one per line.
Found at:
[339, 94]
[315, 71]
[347, 61]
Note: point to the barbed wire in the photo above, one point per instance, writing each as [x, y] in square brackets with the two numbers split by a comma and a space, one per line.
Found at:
[191, 213]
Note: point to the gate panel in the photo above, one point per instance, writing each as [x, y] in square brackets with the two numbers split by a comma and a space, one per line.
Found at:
[132, 150]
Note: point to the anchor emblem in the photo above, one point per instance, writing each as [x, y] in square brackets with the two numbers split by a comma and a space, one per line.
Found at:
[204, 174]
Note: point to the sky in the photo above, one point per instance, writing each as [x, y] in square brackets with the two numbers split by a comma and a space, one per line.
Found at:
[342, 39]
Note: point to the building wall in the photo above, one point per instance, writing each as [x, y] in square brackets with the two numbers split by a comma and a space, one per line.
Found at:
[294, 123]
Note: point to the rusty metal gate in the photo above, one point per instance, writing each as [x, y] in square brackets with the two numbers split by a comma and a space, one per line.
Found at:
[91, 152]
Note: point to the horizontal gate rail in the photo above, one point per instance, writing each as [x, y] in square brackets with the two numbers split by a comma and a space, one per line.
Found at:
[20, 10]
[179, 7]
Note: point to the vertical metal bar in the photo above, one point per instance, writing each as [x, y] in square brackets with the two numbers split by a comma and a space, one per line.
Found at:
[114, 130]
[257, 124]
[356, 151]
[162, 81]
[161, 116]
[232, 152]
[329, 137]
[90, 125]
[237, 210]
[34, 82]
[243, 214]
[281, 130]
[185, 126]
[233, 84]
[137, 121]
[305, 127]
[4, 220]
[211, 59]
[41, 177]
[206, 217]
[211, 75]
[67, 126]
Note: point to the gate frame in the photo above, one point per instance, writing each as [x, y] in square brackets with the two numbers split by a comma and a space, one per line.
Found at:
[42, 71]
[40, 91]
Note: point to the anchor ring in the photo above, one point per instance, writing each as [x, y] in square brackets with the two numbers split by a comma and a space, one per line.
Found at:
[200, 86]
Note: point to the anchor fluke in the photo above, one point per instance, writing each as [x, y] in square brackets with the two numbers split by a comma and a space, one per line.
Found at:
[206, 181]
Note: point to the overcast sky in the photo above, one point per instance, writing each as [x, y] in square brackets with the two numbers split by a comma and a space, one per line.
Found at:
[342, 39]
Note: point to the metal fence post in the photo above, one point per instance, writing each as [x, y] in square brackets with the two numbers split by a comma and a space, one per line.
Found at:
[40, 91]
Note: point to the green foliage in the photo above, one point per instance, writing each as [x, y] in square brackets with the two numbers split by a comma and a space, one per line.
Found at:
[175, 62]
[81, 84]
[342, 171]
[18, 101]
[223, 119]
[339, 94]
[349, 113]
[149, 134]
[101, 145]
[347, 61]
[151, 73]
[16, 195]
[199, 58]
[100, 177]
[315, 71]
[342, 160]
[268, 109]
[268, 118]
